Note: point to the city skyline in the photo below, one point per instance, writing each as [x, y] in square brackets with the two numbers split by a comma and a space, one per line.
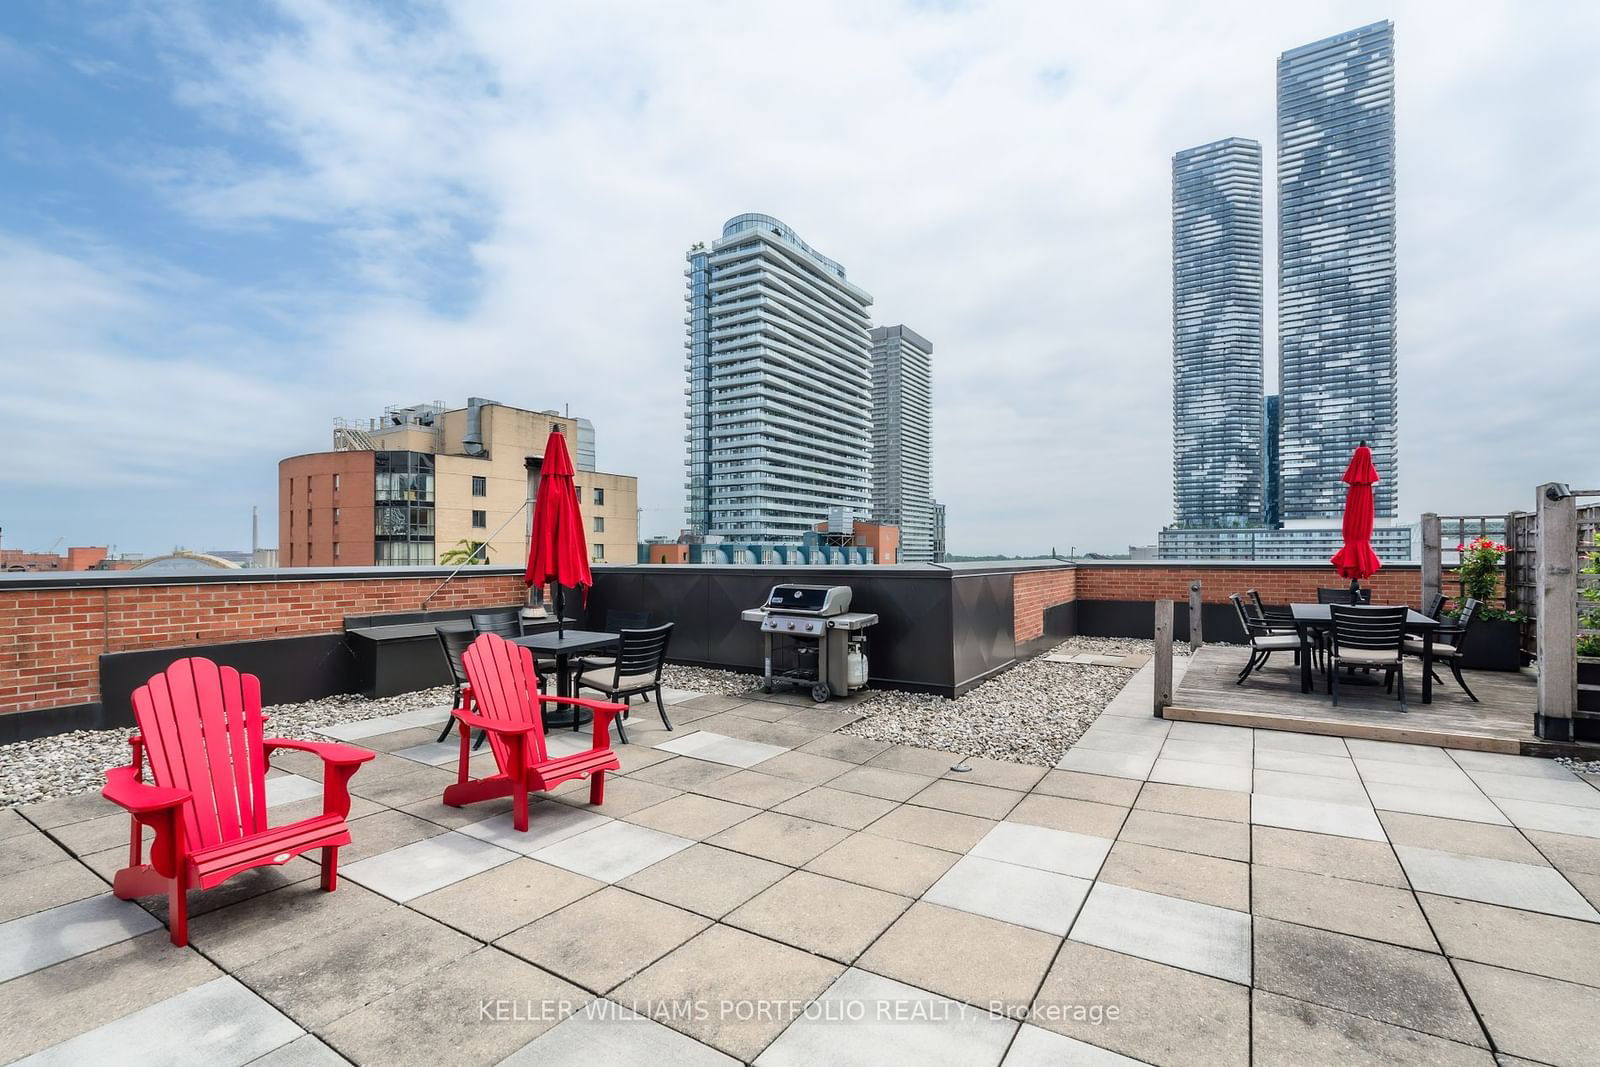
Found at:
[204, 260]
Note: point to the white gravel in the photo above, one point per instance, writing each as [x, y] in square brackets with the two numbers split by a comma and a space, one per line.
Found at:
[72, 763]
[1030, 714]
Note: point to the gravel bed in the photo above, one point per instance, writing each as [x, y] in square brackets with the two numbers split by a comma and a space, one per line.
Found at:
[708, 681]
[1030, 714]
[72, 763]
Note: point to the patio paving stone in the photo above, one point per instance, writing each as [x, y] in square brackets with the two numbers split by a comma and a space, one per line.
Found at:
[1537, 1018]
[1519, 940]
[286, 918]
[1556, 818]
[949, 830]
[827, 718]
[681, 773]
[624, 795]
[638, 755]
[1185, 833]
[781, 838]
[1308, 744]
[1121, 741]
[48, 885]
[384, 831]
[752, 788]
[1226, 754]
[1203, 775]
[607, 1033]
[1273, 759]
[1311, 787]
[727, 965]
[611, 852]
[712, 703]
[436, 1018]
[1045, 849]
[982, 961]
[1569, 853]
[1037, 1047]
[1119, 792]
[219, 1023]
[880, 782]
[432, 752]
[884, 863]
[1454, 835]
[498, 901]
[241, 886]
[1291, 1032]
[1315, 816]
[60, 811]
[1395, 985]
[1451, 779]
[1023, 896]
[692, 815]
[1162, 1014]
[705, 879]
[1181, 933]
[853, 811]
[363, 729]
[775, 734]
[928, 762]
[1064, 813]
[805, 767]
[424, 865]
[1364, 861]
[1506, 763]
[344, 968]
[844, 747]
[548, 824]
[1441, 803]
[398, 786]
[902, 1025]
[1225, 804]
[55, 1003]
[79, 838]
[288, 788]
[1491, 881]
[720, 748]
[1212, 733]
[819, 914]
[436, 811]
[47, 937]
[303, 1051]
[770, 710]
[983, 801]
[1112, 764]
[1204, 879]
[1572, 791]
[1395, 752]
[604, 939]
[1361, 909]
[1000, 774]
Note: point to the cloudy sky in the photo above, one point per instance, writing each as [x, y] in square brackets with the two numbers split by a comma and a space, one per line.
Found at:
[223, 225]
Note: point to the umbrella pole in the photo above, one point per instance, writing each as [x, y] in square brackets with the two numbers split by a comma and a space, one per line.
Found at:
[1355, 590]
[561, 610]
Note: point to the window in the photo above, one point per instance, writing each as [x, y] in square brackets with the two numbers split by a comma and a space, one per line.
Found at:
[599, 497]
[335, 483]
[308, 487]
[599, 551]
[336, 550]
[599, 524]
[480, 519]
[308, 518]
[310, 551]
[480, 485]
[336, 516]
[556, 427]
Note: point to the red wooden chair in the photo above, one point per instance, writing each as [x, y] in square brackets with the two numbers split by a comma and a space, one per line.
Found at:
[200, 727]
[506, 690]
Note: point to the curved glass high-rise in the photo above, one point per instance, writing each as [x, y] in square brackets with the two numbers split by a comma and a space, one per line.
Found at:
[1216, 334]
[779, 386]
[1337, 365]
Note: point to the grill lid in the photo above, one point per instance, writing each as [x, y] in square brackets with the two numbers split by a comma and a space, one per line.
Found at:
[810, 599]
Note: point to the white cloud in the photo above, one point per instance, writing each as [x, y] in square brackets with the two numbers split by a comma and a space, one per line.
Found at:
[996, 175]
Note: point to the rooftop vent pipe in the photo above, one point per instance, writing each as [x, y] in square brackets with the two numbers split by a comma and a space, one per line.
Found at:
[472, 440]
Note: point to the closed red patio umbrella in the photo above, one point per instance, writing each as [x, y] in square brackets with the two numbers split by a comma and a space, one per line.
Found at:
[1356, 560]
[557, 551]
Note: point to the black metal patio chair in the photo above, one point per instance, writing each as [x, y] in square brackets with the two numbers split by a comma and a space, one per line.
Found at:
[636, 671]
[1367, 637]
[1262, 639]
[1449, 650]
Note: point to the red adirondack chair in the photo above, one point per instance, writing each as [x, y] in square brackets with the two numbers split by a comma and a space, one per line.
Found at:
[200, 726]
[507, 693]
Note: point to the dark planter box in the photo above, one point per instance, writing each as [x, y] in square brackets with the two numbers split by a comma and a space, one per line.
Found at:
[1492, 645]
[1589, 674]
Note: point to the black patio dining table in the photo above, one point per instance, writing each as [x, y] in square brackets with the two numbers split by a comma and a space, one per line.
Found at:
[1308, 617]
[563, 645]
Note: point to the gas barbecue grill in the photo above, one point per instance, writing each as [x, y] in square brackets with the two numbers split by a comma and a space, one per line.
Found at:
[825, 639]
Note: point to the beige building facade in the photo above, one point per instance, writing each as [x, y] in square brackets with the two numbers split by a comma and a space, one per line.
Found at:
[475, 474]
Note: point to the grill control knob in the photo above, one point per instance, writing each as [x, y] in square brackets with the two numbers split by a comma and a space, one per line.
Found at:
[791, 626]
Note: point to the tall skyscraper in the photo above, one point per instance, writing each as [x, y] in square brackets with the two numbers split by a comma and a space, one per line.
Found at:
[780, 386]
[1216, 334]
[902, 438]
[1337, 369]
[1271, 472]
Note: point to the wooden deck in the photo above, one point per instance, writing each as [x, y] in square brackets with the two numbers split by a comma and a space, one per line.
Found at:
[1271, 699]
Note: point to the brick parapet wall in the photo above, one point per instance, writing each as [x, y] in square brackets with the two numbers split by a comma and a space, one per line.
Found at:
[51, 639]
[1034, 591]
[1277, 585]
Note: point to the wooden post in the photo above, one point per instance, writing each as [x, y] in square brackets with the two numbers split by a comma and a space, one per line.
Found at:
[1163, 659]
[1196, 639]
[1508, 573]
[1557, 620]
[1430, 559]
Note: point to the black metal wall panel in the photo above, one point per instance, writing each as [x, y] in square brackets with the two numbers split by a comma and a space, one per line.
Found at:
[983, 636]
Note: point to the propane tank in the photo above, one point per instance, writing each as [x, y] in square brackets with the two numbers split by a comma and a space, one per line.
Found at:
[857, 661]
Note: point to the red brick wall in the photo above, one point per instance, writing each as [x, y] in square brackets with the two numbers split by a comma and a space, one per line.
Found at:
[1277, 585]
[51, 639]
[1032, 592]
[307, 504]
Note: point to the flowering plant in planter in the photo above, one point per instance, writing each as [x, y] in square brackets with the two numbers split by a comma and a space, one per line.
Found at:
[1590, 590]
[1480, 576]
